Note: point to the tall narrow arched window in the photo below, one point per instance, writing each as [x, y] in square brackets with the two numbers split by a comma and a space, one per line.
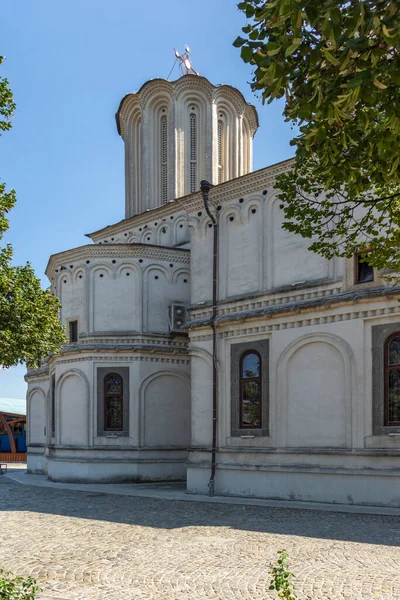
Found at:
[113, 402]
[164, 158]
[250, 405]
[193, 152]
[220, 138]
[392, 380]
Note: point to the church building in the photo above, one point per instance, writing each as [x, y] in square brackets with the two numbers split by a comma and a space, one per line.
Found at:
[206, 343]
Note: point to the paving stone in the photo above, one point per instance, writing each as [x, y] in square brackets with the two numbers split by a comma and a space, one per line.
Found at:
[86, 545]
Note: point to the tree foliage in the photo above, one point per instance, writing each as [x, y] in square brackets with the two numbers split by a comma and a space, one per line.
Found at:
[17, 588]
[337, 66]
[29, 325]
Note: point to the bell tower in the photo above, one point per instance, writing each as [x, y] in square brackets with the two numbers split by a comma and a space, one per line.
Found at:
[178, 133]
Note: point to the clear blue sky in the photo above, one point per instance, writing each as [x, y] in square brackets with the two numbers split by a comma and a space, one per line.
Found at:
[69, 64]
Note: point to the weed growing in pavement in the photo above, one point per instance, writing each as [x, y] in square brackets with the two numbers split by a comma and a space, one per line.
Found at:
[281, 578]
[17, 588]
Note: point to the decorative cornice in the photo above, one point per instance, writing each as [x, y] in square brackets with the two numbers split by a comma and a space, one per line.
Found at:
[294, 308]
[280, 296]
[36, 375]
[93, 251]
[116, 357]
[101, 347]
[115, 339]
[138, 100]
[263, 179]
[150, 352]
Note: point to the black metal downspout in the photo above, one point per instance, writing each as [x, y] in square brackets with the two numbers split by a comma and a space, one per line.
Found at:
[205, 187]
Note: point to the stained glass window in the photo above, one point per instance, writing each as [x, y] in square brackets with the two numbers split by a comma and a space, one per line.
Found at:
[394, 350]
[250, 390]
[392, 380]
[113, 402]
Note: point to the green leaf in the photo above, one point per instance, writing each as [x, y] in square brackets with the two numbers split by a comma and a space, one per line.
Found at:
[329, 61]
[334, 61]
[239, 42]
[312, 13]
[273, 52]
[246, 53]
[379, 84]
[291, 49]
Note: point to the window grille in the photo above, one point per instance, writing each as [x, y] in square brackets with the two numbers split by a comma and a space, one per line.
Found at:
[164, 159]
[193, 152]
[220, 150]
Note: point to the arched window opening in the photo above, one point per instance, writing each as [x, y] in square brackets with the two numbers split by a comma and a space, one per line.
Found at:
[193, 153]
[113, 402]
[392, 380]
[220, 150]
[250, 404]
[164, 159]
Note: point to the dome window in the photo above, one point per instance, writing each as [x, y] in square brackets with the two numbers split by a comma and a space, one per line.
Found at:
[193, 152]
[164, 159]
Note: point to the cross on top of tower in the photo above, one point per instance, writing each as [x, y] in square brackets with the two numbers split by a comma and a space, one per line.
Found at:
[185, 65]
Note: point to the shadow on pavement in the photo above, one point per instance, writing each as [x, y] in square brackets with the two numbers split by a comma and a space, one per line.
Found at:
[173, 514]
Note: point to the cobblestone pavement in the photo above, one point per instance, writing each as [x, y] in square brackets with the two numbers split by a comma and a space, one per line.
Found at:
[86, 545]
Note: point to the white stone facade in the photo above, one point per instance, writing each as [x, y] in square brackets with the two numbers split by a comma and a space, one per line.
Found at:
[323, 436]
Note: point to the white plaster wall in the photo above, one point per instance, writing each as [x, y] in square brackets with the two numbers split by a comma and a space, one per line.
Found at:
[320, 400]
[291, 260]
[166, 409]
[330, 394]
[115, 298]
[37, 416]
[241, 249]
[36, 460]
[71, 291]
[122, 295]
[73, 398]
[316, 385]
[316, 396]
[142, 372]
[180, 233]
[201, 386]
[158, 384]
[114, 465]
[255, 254]
[359, 487]
[201, 262]
[163, 286]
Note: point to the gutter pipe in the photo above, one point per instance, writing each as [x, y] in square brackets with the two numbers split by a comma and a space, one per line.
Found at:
[205, 187]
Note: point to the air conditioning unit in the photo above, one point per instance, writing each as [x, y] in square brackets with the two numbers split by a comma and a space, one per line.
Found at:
[177, 317]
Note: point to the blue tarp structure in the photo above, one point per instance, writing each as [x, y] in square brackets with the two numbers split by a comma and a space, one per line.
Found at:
[12, 413]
